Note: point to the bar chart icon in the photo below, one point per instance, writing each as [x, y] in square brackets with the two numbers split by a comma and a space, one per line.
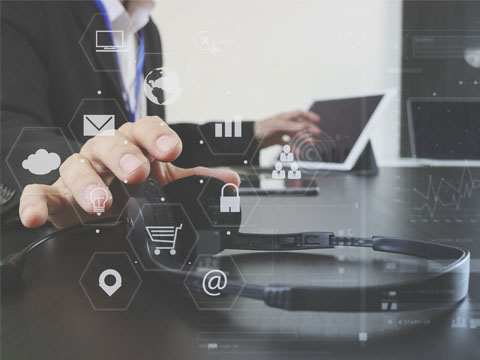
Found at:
[229, 125]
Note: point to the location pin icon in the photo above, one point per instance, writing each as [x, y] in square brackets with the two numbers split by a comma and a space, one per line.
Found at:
[110, 289]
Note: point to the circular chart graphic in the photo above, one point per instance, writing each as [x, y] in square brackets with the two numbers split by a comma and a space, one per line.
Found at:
[319, 148]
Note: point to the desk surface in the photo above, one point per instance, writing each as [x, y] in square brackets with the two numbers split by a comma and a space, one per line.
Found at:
[50, 317]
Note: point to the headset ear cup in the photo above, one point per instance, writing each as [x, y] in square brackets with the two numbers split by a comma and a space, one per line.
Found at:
[155, 194]
[200, 197]
[196, 198]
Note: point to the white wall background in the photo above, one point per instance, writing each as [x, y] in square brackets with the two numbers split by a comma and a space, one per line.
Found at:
[277, 55]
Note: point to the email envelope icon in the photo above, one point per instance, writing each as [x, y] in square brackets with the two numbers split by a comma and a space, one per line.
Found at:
[98, 125]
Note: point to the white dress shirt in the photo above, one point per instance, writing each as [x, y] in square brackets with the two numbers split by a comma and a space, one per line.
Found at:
[130, 22]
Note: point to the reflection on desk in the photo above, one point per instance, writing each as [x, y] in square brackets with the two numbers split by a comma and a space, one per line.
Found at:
[49, 316]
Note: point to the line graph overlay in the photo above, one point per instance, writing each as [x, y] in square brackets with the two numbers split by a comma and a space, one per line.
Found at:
[447, 195]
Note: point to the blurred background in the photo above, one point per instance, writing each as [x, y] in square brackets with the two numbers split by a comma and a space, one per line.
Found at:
[262, 57]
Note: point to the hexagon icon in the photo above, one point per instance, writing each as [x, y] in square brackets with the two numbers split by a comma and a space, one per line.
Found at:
[227, 208]
[209, 282]
[297, 150]
[96, 117]
[120, 196]
[110, 281]
[227, 134]
[36, 155]
[162, 236]
[174, 86]
[101, 44]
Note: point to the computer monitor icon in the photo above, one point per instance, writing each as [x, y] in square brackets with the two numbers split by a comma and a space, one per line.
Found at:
[104, 41]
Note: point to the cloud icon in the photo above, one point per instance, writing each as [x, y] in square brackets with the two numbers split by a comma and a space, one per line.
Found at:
[42, 162]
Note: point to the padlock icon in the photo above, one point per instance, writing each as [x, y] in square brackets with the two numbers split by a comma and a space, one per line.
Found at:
[229, 203]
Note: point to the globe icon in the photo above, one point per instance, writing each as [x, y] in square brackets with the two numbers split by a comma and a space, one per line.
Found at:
[162, 86]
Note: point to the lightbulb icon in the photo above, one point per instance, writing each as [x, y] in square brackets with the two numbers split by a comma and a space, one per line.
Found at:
[99, 197]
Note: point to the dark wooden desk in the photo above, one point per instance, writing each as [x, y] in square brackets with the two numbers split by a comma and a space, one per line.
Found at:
[50, 317]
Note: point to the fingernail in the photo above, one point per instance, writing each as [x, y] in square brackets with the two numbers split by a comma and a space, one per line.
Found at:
[28, 212]
[166, 143]
[129, 163]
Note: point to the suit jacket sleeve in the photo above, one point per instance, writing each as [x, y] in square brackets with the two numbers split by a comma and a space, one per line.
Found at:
[202, 148]
[24, 82]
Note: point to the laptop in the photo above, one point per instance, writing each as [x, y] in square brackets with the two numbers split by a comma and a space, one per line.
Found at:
[347, 124]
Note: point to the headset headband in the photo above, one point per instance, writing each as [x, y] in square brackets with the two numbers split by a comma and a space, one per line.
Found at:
[441, 287]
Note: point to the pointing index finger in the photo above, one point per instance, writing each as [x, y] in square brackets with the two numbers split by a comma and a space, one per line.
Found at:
[154, 135]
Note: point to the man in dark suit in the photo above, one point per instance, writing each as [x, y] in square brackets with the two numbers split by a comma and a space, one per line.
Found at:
[55, 73]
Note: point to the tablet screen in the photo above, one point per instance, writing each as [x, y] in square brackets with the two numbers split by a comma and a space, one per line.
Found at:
[343, 121]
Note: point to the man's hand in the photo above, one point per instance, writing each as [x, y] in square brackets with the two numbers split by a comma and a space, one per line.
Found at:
[137, 151]
[271, 130]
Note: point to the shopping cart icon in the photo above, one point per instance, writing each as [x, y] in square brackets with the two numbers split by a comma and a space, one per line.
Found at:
[164, 237]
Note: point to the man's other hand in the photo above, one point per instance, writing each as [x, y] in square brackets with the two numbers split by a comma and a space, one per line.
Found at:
[270, 131]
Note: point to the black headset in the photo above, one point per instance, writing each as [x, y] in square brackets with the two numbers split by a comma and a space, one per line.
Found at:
[194, 201]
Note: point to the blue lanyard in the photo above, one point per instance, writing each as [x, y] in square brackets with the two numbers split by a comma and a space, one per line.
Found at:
[131, 108]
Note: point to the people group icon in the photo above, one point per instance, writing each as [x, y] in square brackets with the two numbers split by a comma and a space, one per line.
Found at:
[286, 157]
[294, 173]
[278, 173]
